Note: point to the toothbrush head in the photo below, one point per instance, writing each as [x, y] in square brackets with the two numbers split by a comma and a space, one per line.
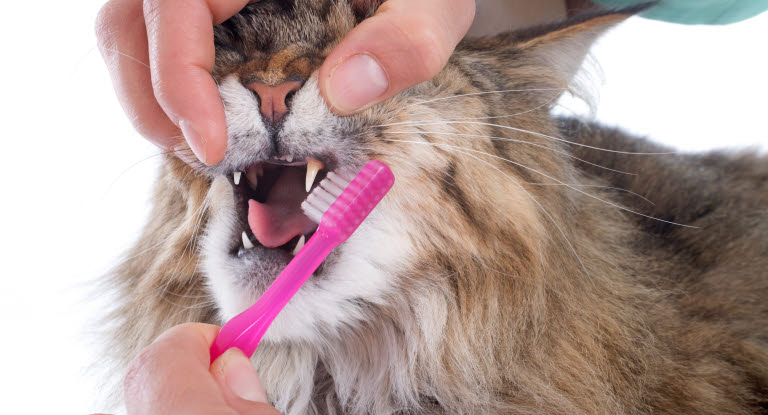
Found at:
[342, 203]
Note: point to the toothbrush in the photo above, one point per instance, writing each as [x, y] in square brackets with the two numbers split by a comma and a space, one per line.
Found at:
[339, 206]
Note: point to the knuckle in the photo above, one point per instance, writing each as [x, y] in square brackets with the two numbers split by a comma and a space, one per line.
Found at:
[141, 370]
[138, 370]
[105, 24]
[162, 89]
[430, 45]
[466, 13]
[151, 10]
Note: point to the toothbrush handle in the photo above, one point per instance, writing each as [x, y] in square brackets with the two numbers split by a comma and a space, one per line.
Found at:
[245, 330]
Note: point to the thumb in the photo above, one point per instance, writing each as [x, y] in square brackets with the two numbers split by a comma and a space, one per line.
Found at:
[240, 384]
[406, 42]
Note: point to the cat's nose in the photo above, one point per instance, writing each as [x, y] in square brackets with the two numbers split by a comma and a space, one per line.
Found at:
[275, 99]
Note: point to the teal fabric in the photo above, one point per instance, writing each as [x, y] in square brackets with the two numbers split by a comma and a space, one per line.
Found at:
[697, 11]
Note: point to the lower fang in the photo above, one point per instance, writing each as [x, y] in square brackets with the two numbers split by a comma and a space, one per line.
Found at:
[299, 245]
[247, 244]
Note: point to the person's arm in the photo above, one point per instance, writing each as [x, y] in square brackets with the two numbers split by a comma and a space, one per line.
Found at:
[697, 11]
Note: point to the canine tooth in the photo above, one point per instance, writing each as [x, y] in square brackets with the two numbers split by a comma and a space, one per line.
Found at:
[299, 245]
[313, 166]
[236, 176]
[289, 158]
[247, 244]
[253, 178]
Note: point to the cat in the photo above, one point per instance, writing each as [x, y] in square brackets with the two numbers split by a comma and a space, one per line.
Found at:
[522, 263]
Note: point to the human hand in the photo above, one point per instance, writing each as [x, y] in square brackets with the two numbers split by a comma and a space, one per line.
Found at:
[172, 376]
[406, 42]
[160, 54]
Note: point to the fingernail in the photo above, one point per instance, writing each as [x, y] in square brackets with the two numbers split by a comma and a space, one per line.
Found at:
[195, 140]
[356, 82]
[241, 377]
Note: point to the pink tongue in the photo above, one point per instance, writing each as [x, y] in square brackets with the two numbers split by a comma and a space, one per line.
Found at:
[277, 221]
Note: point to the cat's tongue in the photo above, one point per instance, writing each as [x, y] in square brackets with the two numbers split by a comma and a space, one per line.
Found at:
[279, 219]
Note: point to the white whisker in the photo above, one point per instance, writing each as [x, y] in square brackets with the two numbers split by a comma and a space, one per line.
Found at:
[474, 118]
[551, 178]
[189, 245]
[171, 235]
[127, 56]
[501, 91]
[594, 185]
[514, 141]
[562, 233]
[543, 136]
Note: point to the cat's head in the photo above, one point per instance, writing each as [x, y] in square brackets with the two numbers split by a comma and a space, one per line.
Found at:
[465, 148]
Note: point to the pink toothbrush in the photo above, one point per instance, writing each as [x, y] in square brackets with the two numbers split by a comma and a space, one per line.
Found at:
[339, 206]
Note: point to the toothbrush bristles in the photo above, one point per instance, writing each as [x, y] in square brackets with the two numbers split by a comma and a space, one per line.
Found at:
[324, 194]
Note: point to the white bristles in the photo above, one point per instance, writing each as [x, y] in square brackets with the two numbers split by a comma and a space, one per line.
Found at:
[326, 197]
[311, 212]
[339, 180]
[332, 188]
[323, 196]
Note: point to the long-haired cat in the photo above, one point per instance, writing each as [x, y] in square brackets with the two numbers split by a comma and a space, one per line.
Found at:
[522, 264]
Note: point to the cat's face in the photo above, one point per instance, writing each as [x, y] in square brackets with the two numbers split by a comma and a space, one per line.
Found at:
[269, 46]
[437, 139]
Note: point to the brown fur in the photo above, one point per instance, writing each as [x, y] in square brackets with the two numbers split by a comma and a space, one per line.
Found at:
[495, 313]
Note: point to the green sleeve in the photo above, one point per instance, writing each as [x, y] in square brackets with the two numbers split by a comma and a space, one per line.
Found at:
[697, 11]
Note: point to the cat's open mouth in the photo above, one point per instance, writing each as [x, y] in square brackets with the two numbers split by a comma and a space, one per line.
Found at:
[268, 198]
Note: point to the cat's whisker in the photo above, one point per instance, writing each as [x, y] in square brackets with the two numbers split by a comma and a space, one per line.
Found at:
[183, 308]
[408, 123]
[171, 235]
[595, 186]
[549, 216]
[122, 173]
[545, 136]
[550, 178]
[189, 245]
[185, 151]
[515, 141]
[500, 91]
[554, 222]
[127, 56]
[191, 297]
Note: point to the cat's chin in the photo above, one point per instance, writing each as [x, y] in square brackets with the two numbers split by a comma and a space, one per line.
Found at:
[358, 272]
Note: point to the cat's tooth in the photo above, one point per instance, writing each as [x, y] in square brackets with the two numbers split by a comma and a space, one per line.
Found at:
[236, 176]
[253, 178]
[247, 244]
[299, 245]
[289, 158]
[313, 167]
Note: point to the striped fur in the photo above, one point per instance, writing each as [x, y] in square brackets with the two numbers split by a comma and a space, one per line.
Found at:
[482, 284]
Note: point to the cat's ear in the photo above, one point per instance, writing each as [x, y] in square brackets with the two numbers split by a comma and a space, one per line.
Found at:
[559, 50]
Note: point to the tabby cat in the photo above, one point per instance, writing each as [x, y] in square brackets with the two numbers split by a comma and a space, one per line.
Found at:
[522, 263]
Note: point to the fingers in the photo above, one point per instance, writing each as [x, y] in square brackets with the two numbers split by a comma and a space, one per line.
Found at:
[160, 54]
[122, 40]
[171, 375]
[181, 55]
[405, 43]
[240, 384]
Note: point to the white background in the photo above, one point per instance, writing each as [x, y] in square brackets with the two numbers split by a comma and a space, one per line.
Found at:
[76, 177]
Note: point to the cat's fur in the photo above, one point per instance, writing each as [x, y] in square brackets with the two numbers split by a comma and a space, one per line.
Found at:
[481, 284]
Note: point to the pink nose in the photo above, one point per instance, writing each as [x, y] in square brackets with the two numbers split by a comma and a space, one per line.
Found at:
[274, 104]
